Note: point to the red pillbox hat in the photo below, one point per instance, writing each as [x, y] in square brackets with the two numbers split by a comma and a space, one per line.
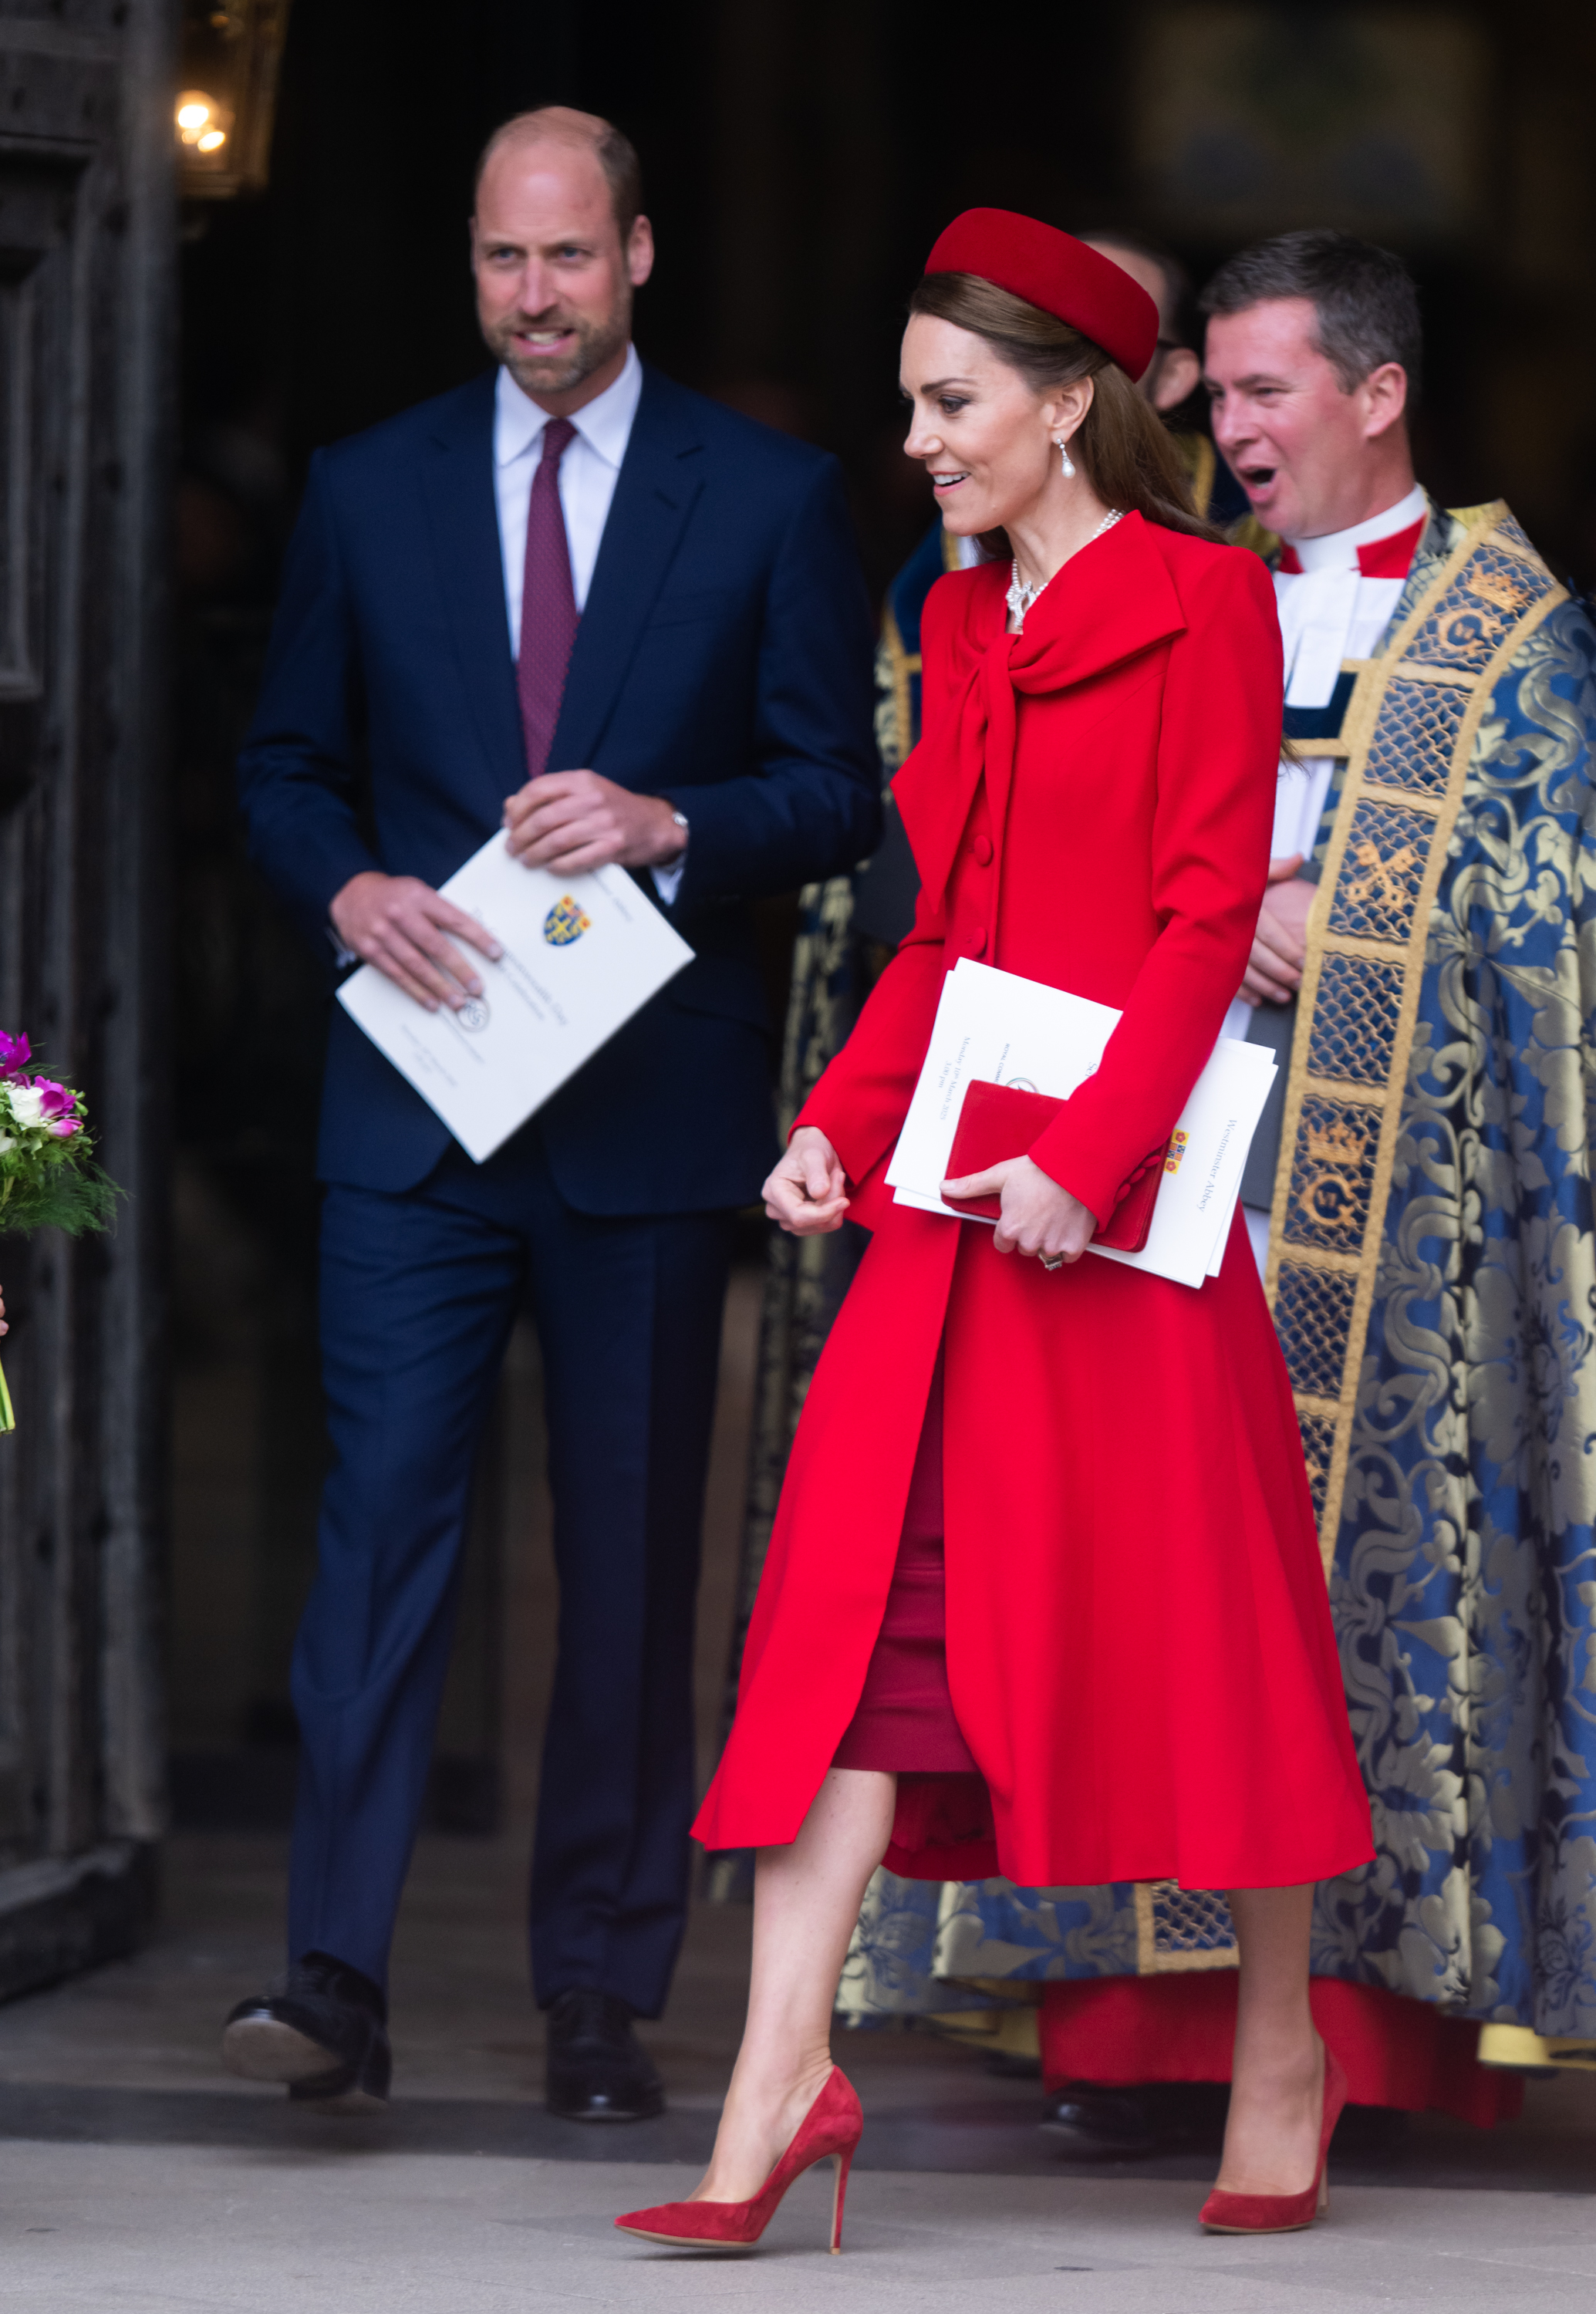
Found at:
[1060, 274]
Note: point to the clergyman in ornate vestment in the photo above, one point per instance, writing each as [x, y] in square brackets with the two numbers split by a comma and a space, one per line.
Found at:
[1432, 1263]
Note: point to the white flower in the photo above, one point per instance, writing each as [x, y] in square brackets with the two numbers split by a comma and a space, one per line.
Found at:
[27, 1105]
[5, 1143]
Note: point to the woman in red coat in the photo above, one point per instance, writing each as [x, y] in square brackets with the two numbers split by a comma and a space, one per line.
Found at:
[1044, 1596]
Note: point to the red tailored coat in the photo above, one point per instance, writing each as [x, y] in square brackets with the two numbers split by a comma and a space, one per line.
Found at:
[1139, 1644]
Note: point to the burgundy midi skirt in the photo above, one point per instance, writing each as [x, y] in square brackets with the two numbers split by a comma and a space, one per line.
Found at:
[905, 1723]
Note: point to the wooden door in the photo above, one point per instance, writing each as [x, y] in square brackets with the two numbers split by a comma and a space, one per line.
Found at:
[87, 235]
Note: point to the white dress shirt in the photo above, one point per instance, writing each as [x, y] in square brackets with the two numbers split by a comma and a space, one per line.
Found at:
[589, 472]
[1329, 611]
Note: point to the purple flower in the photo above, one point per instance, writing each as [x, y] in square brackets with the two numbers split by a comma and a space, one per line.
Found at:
[15, 1053]
[55, 1105]
[40, 1102]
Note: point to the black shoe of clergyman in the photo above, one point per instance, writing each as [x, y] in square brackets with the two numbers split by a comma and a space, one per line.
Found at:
[1100, 2125]
[323, 2029]
[598, 2070]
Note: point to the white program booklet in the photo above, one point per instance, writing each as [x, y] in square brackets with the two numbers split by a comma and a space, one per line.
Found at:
[1009, 1030]
[581, 955]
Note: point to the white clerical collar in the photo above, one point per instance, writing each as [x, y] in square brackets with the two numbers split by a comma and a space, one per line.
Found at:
[1337, 550]
[604, 423]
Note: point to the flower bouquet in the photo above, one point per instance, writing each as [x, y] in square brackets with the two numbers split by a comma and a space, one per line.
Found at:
[49, 1179]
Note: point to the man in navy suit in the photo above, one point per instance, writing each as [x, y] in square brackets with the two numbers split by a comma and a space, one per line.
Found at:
[574, 599]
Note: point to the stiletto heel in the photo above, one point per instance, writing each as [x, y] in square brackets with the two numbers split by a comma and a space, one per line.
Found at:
[1283, 2214]
[841, 2165]
[830, 2131]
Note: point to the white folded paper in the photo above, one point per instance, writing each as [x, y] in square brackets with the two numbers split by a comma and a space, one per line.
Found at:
[581, 955]
[1009, 1030]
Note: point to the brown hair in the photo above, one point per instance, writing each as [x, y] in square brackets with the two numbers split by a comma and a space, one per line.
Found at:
[1122, 445]
[1365, 302]
[561, 124]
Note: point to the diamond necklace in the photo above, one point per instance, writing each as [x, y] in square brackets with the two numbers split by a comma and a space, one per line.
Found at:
[1021, 595]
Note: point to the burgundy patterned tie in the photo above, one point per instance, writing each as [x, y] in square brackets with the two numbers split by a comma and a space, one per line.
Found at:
[548, 603]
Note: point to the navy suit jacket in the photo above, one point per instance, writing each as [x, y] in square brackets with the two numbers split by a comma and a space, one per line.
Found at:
[723, 661]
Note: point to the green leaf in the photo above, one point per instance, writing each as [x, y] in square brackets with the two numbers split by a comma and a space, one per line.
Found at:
[73, 1197]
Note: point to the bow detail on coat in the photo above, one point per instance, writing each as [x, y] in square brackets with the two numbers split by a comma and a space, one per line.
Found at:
[1111, 601]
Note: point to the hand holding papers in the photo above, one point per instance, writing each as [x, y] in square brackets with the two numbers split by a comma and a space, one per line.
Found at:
[581, 954]
[998, 1026]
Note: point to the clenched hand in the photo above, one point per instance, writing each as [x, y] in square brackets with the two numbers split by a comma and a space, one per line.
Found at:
[1280, 947]
[807, 1193]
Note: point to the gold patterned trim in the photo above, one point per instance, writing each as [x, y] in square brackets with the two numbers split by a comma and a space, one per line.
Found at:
[1416, 671]
[894, 668]
[1182, 1929]
[1410, 729]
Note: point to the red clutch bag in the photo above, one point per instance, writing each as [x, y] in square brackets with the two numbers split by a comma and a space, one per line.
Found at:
[999, 1121]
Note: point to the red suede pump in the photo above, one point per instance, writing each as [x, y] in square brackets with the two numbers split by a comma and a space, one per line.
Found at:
[1283, 2214]
[829, 2131]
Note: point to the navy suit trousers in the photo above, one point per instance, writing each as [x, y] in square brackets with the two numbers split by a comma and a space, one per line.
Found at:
[420, 1290]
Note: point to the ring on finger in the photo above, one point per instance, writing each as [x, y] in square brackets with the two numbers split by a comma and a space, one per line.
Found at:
[1051, 1260]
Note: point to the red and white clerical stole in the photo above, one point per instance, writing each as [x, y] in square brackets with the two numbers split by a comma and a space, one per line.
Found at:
[1335, 594]
[1378, 558]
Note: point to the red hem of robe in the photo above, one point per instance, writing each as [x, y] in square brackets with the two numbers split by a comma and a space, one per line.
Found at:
[1125, 2031]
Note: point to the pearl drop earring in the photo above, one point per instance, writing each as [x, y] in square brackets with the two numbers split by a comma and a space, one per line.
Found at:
[1062, 448]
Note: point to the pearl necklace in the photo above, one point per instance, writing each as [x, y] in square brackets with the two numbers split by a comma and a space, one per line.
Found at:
[1021, 596]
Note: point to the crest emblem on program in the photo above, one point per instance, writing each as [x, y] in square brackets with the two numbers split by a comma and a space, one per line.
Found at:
[565, 922]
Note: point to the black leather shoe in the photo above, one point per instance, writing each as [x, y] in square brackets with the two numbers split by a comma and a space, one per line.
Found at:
[598, 2070]
[1100, 2125]
[323, 2029]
